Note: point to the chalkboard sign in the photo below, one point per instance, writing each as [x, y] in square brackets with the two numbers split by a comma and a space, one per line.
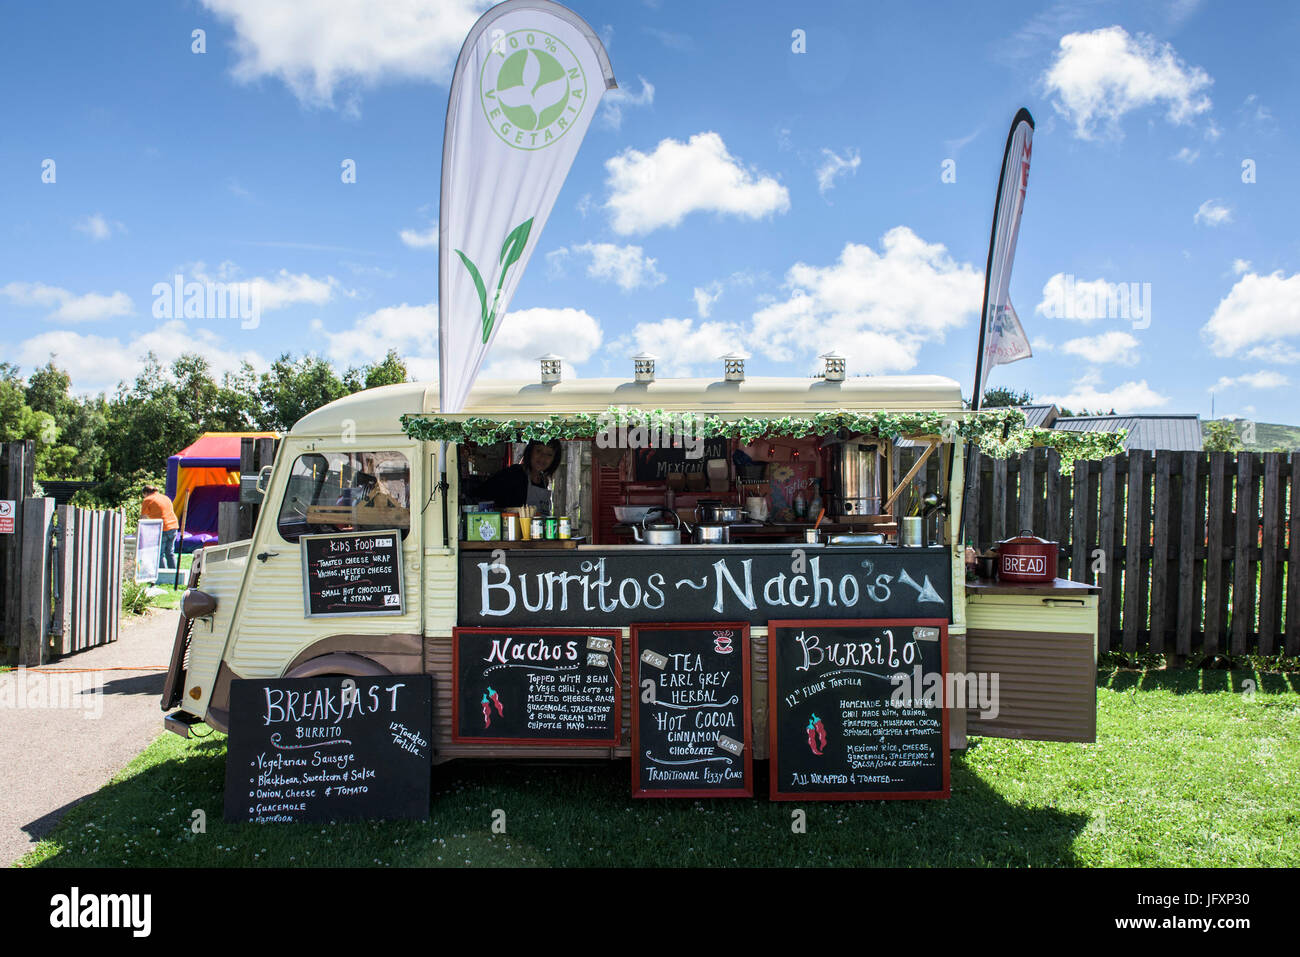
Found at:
[652, 464]
[148, 549]
[691, 727]
[856, 709]
[353, 573]
[318, 749]
[544, 686]
[618, 586]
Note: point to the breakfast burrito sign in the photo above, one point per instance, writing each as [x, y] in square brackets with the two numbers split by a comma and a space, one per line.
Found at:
[527, 84]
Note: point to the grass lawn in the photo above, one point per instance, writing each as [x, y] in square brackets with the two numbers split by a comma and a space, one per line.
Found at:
[1187, 771]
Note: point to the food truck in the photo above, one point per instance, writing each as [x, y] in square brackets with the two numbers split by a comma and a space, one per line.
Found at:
[785, 507]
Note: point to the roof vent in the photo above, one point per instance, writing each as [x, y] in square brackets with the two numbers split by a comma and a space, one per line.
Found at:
[833, 370]
[644, 364]
[551, 365]
[733, 367]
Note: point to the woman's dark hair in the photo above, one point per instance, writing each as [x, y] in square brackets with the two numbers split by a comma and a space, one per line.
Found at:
[555, 447]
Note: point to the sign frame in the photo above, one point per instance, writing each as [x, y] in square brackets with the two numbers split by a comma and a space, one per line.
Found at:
[306, 580]
[322, 808]
[773, 672]
[613, 634]
[8, 515]
[155, 553]
[747, 710]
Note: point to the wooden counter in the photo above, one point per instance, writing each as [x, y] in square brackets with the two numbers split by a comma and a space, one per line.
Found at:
[1060, 587]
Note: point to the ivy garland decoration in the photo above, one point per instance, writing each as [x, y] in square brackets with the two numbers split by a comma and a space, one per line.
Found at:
[998, 433]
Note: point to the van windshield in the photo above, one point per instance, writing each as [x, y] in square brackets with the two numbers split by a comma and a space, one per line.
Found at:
[346, 492]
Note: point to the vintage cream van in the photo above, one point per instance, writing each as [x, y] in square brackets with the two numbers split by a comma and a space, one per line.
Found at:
[246, 616]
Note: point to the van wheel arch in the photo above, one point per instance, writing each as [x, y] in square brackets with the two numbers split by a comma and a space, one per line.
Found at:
[338, 664]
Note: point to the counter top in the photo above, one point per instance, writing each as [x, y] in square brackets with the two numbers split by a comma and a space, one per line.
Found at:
[1060, 587]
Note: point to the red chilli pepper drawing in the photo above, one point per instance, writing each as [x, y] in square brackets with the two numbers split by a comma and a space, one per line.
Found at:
[495, 700]
[816, 732]
[487, 712]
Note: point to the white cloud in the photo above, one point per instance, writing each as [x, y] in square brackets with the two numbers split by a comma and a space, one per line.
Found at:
[1186, 155]
[1213, 212]
[834, 165]
[705, 297]
[652, 190]
[1240, 266]
[279, 291]
[614, 102]
[1264, 379]
[421, 240]
[315, 48]
[628, 266]
[99, 363]
[1087, 393]
[683, 346]
[97, 227]
[1098, 77]
[411, 330]
[1119, 348]
[878, 309]
[67, 306]
[1258, 314]
[530, 333]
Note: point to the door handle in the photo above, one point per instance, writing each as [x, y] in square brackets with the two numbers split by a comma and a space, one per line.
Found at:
[263, 556]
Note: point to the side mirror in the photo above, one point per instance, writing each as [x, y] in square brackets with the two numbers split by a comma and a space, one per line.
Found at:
[264, 479]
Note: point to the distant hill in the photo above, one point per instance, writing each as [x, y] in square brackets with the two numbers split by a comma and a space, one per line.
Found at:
[1268, 435]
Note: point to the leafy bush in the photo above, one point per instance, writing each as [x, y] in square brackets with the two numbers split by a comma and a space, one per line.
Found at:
[135, 597]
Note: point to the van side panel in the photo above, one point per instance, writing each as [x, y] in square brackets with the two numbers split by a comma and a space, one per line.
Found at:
[223, 574]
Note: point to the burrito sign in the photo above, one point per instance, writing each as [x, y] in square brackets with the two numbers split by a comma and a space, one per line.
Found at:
[527, 84]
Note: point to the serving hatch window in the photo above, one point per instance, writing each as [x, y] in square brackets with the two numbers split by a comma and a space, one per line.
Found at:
[346, 492]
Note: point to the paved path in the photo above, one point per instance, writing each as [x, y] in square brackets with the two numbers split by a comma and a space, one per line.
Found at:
[63, 737]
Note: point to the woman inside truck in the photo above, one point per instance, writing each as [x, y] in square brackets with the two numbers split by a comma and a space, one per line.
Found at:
[526, 483]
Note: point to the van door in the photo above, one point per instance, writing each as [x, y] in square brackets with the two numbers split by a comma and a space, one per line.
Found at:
[327, 488]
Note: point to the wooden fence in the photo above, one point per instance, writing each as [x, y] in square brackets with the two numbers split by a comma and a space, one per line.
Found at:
[67, 595]
[1196, 553]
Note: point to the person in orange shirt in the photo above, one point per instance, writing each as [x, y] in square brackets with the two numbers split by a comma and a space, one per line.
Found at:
[157, 505]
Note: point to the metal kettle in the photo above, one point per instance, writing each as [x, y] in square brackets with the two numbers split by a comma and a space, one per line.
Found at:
[662, 532]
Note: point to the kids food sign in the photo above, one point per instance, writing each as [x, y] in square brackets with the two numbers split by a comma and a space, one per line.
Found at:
[544, 686]
[856, 711]
[691, 728]
[353, 573]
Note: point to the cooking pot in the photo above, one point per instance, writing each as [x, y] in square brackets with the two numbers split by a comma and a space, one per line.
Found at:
[1027, 559]
[659, 532]
[715, 513]
[712, 534]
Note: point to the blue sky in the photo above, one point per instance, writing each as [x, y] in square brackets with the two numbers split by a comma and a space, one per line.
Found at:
[797, 200]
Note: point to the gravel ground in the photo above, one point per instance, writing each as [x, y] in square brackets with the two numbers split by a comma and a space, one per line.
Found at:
[64, 735]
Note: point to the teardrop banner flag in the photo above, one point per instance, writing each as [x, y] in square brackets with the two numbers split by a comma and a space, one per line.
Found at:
[527, 84]
[1002, 337]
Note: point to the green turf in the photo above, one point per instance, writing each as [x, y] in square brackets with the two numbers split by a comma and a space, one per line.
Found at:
[1187, 771]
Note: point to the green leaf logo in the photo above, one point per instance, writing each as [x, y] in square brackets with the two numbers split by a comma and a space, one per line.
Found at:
[511, 250]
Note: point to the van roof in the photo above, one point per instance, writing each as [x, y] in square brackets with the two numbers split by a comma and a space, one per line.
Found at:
[378, 411]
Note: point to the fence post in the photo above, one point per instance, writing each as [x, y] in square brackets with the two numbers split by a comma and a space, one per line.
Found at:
[34, 593]
[1293, 563]
[1270, 608]
[1243, 565]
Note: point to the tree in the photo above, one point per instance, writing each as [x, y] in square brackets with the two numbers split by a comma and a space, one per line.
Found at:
[292, 388]
[1220, 436]
[392, 371]
[1004, 398]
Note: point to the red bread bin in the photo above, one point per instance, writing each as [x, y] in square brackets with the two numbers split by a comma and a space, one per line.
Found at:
[1027, 559]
